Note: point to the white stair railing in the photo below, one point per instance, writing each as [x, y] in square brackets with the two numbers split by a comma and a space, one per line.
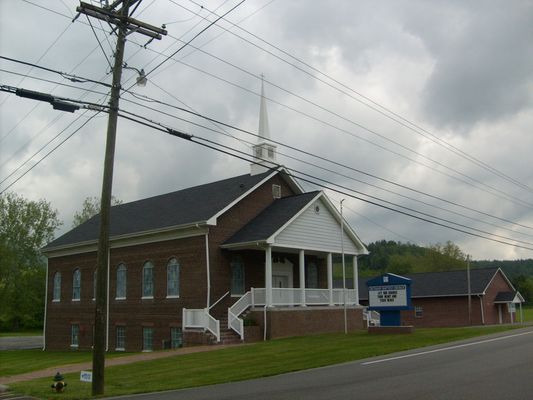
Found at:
[200, 318]
[241, 305]
[286, 297]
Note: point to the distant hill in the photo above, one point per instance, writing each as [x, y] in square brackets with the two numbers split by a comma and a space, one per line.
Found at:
[512, 268]
[405, 258]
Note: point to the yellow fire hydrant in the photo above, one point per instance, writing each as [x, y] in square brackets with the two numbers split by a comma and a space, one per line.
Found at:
[59, 383]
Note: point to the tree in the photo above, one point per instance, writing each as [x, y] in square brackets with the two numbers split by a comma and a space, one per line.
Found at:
[91, 207]
[25, 227]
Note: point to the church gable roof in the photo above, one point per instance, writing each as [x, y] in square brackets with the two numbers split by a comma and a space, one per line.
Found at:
[195, 205]
[443, 284]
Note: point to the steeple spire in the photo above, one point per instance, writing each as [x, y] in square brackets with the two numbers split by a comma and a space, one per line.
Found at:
[264, 152]
[264, 131]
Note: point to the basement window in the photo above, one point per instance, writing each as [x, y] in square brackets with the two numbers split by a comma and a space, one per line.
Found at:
[419, 312]
[74, 335]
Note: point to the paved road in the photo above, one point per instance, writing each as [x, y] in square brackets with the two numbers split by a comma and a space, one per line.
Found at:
[21, 342]
[495, 367]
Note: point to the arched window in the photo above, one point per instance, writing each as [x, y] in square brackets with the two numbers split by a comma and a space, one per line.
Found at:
[57, 287]
[173, 278]
[76, 284]
[121, 281]
[148, 280]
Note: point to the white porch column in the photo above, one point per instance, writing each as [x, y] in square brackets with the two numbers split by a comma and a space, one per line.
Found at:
[268, 276]
[356, 280]
[330, 277]
[302, 277]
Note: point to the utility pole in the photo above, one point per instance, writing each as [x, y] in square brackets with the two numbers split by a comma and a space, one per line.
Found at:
[125, 25]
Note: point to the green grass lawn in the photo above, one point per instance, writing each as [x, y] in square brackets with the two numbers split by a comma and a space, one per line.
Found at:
[14, 362]
[528, 313]
[247, 362]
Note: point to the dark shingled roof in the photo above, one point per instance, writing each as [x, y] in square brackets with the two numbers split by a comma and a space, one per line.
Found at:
[504, 297]
[448, 283]
[192, 205]
[271, 218]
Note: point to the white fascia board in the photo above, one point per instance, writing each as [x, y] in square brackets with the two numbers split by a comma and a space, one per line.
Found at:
[519, 297]
[131, 239]
[504, 277]
[243, 245]
[309, 248]
[213, 220]
[280, 170]
[291, 181]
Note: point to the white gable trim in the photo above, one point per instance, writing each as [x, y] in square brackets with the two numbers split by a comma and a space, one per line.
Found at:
[347, 229]
[290, 181]
[504, 277]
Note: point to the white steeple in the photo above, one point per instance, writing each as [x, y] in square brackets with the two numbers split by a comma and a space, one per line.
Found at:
[264, 152]
[264, 131]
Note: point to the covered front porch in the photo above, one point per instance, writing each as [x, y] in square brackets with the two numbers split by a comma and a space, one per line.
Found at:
[281, 264]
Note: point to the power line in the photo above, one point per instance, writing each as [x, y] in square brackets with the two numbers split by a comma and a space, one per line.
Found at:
[382, 109]
[408, 209]
[194, 37]
[50, 152]
[218, 122]
[501, 195]
[99, 43]
[70, 77]
[307, 178]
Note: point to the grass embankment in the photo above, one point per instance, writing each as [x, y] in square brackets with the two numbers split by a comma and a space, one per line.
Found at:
[528, 313]
[14, 362]
[247, 362]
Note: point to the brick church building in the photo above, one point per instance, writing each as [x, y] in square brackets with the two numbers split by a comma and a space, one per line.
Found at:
[191, 266]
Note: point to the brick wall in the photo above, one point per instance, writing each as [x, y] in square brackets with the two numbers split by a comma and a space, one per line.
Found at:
[453, 311]
[287, 322]
[160, 313]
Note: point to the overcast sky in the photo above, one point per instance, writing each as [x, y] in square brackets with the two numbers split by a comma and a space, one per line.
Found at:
[434, 96]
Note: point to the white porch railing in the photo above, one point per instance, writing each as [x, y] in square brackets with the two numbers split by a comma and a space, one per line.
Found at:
[286, 297]
[371, 317]
[200, 318]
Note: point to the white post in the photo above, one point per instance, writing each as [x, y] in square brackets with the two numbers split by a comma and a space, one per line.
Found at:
[302, 277]
[252, 293]
[356, 280]
[521, 314]
[268, 276]
[330, 277]
[343, 273]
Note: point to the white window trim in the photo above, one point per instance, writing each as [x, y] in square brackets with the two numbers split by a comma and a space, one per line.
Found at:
[56, 300]
[147, 297]
[120, 298]
[120, 349]
[76, 300]
[173, 296]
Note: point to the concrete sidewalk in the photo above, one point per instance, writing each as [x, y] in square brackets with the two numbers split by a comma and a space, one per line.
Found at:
[65, 369]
